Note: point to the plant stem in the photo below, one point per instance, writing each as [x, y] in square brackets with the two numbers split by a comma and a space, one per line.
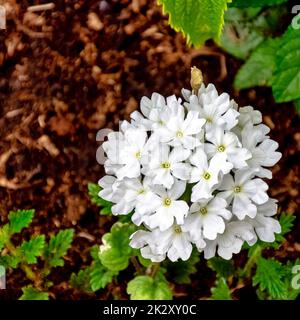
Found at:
[136, 265]
[154, 269]
[252, 261]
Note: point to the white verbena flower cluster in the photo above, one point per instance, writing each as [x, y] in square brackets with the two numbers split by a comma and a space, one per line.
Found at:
[190, 172]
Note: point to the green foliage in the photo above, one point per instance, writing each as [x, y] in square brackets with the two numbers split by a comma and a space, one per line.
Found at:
[115, 251]
[223, 268]
[255, 3]
[58, 247]
[286, 79]
[221, 290]
[33, 248]
[94, 190]
[81, 280]
[4, 235]
[198, 20]
[181, 271]
[286, 221]
[148, 288]
[297, 106]
[30, 293]
[100, 276]
[19, 220]
[258, 69]
[269, 276]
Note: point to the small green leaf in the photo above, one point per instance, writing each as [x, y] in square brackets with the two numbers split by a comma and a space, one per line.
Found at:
[115, 251]
[181, 271]
[4, 236]
[147, 288]
[33, 248]
[30, 293]
[58, 247]
[269, 274]
[19, 220]
[81, 280]
[94, 190]
[286, 78]
[258, 69]
[286, 221]
[100, 276]
[198, 20]
[223, 268]
[221, 290]
[255, 3]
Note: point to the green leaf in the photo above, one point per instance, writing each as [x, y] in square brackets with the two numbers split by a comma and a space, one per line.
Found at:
[30, 293]
[286, 221]
[181, 271]
[147, 288]
[258, 69]
[269, 274]
[223, 268]
[255, 3]
[94, 190]
[4, 236]
[19, 220]
[198, 20]
[81, 280]
[221, 291]
[58, 247]
[286, 78]
[115, 251]
[33, 248]
[100, 276]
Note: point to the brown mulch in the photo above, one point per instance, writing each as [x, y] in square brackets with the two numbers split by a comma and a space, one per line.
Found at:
[69, 71]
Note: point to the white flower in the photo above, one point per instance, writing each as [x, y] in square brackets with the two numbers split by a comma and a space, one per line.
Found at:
[180, 130]
[244, 192]
[167, 207]
[227, 143]
[165, 165]
[174, 243]
[265, 226]
[206, 174]
[231, 241]
[206, 220]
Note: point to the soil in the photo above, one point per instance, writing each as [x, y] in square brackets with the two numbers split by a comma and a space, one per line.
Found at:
[69, 71]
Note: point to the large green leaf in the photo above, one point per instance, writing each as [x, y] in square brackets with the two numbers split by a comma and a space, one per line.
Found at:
[19, 220]
[147, 288]
[221, 291]
[115, 251]
[32, 249]
[100, 276]
[286, 79]
[198, 20]
[258, 69]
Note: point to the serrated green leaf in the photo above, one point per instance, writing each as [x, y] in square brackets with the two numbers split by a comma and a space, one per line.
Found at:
[286, 77]
[147, 288]
[268, 276]
[223, 268]
[100, 277]
[255, 3]
[198, 20]
[19, 220]
[30, 293]
[286, 221]
[258, 69]
[4, 236]
[58, 247]
[94, 190]
[32, 249]
[221, 291]
[81, 280]
[181, 271]
[115, 251]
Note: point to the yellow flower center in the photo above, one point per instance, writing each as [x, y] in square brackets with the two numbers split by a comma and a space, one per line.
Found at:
[177, 229]
[138, 154]
[203, 210]
[206, 175]
[167, 202]
[221, 148]
[179, 134]
[166, 165]
[237, 189]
